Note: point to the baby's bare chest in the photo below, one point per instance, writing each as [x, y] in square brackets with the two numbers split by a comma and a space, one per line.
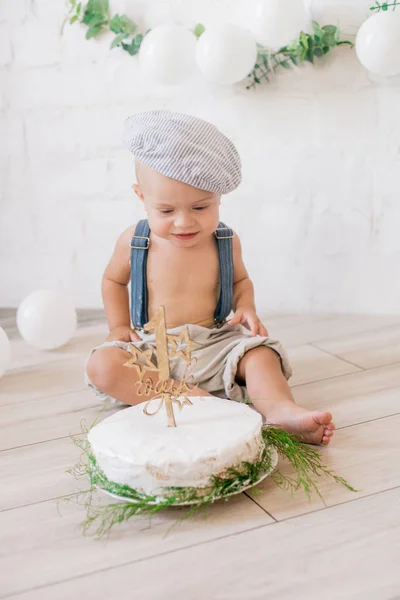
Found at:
[183, 272]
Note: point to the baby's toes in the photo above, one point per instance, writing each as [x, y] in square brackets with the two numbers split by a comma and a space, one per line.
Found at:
[326, 439]
[327, 436]
[328, 432]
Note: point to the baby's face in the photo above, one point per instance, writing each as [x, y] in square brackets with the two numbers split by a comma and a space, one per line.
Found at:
[176, 211]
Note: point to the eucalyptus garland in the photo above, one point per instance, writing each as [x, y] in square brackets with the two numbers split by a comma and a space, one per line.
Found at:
[305, 49]
[95, 14]
[305, 461]
[382, 6]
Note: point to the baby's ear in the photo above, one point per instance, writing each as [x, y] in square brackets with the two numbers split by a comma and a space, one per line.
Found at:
[138, 191]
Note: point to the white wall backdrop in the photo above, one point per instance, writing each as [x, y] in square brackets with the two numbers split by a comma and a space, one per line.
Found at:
[319, 208]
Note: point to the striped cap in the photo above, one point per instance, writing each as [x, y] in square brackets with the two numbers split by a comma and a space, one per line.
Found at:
[185, 148]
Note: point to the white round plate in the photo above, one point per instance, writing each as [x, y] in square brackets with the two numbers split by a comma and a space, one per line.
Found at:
[274, 462]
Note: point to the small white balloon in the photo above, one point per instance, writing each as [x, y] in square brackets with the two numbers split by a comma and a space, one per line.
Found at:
[46, 319]
[378, 43]
[5, 352]
[276, 23]
[167, 54]
[226, 53]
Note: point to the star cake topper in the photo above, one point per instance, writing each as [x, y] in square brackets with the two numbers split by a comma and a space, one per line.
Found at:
[164, 389]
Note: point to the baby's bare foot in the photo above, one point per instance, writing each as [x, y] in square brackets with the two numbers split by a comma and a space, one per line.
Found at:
[309, 426]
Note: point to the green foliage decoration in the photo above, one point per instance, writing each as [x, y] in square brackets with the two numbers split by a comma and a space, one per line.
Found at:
[95, 14]
[199, 29]
[305, 49]
[101, 518]
[383, 6]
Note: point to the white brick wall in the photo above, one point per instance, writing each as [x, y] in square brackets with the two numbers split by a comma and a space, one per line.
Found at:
[319, 207]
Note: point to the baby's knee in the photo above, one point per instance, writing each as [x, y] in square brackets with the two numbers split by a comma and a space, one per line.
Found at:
[101, 369]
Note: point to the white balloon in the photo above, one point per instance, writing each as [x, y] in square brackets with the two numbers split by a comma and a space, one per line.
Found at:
[378, 43]
[226, 53]
[276, 23]
[167, 54]
[46, 319]
[5, 351]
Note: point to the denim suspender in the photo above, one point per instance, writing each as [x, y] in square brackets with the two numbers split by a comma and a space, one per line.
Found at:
[224, 237]
[139, 251]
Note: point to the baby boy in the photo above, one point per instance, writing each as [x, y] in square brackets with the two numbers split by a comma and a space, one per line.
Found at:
[183, 258]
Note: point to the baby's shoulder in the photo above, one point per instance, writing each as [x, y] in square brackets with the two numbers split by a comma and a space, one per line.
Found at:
[122, 248]
[236, 245]
[126, 236]
[118, 267]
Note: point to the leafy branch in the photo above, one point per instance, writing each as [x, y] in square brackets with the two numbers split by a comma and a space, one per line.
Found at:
[383, 6]
[305, 461]
[305, 49]
[95, 14]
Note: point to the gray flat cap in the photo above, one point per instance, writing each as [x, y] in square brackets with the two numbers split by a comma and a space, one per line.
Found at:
[185, 148]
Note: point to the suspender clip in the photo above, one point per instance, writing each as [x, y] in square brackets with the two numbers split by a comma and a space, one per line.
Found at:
[223, 237]
[140, 237]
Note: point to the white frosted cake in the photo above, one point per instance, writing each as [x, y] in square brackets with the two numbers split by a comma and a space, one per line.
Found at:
[141, 451]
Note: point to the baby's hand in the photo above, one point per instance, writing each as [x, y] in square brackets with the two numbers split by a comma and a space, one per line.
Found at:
[248, 318]
[123, 334]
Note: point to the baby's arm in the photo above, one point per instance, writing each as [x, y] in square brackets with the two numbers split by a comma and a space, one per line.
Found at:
[243, 294]
[114, 288]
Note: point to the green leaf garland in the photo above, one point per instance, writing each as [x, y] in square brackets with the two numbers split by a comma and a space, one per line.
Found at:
[383, 6]
[305, 49]
[96, 15]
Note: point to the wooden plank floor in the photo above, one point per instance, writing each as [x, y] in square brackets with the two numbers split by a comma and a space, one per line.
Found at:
[256, 546]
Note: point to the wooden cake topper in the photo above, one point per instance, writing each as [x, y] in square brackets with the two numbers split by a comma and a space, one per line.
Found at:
[166, 390]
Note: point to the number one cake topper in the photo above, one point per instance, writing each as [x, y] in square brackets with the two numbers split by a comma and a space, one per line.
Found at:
[164, 388]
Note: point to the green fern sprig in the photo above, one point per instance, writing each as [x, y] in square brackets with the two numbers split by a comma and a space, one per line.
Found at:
[305, 461]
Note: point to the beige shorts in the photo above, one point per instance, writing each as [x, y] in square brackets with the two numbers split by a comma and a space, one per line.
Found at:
[217, 358]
